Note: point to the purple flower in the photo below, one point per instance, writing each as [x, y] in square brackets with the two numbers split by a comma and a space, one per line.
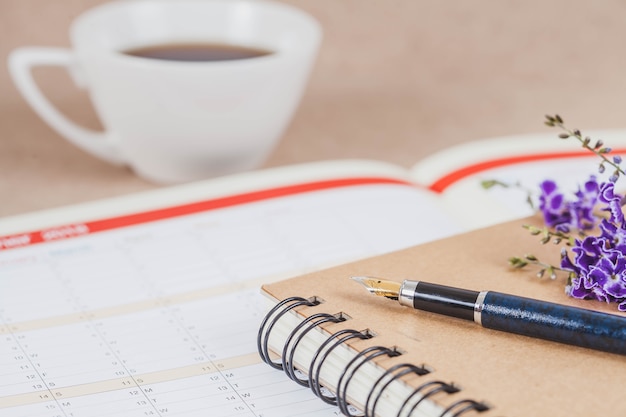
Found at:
[552, 205]
[598, 267]
[565, 215]
[613, 202]
[599, 276]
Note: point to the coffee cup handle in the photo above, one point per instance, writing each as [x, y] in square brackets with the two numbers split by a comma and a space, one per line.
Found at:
[20, 62]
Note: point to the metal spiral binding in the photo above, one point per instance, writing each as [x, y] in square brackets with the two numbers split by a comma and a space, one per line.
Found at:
[391, 374]
[275, 314]
[318, 360]
[289, 350]
[463, 406]
[426, 390]
[340, 337]
[353, 366]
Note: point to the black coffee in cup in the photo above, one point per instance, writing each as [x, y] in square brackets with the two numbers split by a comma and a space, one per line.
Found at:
[197, 52]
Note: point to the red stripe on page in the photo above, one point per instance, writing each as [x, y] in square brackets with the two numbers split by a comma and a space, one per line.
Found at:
[447, 180]
[95, 226]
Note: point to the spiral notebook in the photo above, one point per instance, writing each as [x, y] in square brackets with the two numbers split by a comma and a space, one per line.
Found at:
[370, 353]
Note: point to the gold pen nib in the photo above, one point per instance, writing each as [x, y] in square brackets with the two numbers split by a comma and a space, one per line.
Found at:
[382, 288]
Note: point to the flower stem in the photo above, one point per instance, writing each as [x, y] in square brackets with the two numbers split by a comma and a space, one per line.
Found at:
[519, 263]
[548, 235]
[487, 184]
[598, 148]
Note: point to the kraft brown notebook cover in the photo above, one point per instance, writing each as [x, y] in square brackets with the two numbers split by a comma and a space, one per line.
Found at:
[514, 375]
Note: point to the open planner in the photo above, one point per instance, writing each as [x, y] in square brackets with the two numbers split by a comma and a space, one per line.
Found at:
[149, 304]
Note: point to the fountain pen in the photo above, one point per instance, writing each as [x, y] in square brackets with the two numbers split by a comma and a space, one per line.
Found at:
[509, 313]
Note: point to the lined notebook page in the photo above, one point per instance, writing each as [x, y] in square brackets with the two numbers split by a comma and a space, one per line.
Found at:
[159, 318]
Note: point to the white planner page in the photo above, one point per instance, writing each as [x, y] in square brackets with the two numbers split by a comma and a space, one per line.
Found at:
[523, 162]
[499, 204]
[160, 318]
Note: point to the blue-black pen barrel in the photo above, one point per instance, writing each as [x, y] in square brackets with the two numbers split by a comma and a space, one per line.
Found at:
[441, 299]
[559, 323]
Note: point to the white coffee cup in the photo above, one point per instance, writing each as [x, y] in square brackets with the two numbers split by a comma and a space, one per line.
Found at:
[175, 121]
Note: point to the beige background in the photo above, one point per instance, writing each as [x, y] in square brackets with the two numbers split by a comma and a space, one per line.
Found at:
[395, 80]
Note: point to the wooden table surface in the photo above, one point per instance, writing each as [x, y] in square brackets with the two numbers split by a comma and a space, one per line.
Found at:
[395, 80]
